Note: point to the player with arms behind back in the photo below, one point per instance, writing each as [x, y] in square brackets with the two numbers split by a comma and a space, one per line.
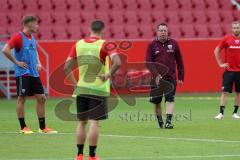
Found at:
[26, 67]
[231, 76]
[93, 85]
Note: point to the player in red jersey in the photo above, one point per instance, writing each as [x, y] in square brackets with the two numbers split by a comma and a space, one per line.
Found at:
[231, 76]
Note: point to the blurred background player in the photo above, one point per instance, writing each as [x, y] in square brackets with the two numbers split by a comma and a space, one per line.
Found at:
[164, 50]
[231, 76]
[26, 68]
[93, 85]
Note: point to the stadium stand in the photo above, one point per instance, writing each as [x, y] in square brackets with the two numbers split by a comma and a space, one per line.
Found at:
[188, 18]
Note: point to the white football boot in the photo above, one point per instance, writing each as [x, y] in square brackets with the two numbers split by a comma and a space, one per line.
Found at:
[219, 116]
[235, 116]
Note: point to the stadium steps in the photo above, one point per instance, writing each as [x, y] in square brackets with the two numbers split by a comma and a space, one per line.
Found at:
[7, 83]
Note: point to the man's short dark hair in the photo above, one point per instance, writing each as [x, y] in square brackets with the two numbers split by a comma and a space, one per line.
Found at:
[162, 24]
[29, 18]
[97, 26]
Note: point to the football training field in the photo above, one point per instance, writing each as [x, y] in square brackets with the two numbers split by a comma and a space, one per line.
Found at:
[130, 133]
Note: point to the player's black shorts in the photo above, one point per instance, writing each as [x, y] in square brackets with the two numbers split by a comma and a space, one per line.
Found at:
[166, 88]
[229, 79]
[29, 86]
[90, 107]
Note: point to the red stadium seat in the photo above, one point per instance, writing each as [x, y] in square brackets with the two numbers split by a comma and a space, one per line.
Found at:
[116, 5]
[60, 33]
[117, 18]
[60, 5]
[88, 5]
[227, 16]
[132, 32]
[14, 29]
[145, 18]
[74, 18]
[30, 6]
[131, 17]
[226, 4]
[87, 17]
[4, 6]
[199, 4]
[202, 30]
[103, 5]
[214, 17]
[174, 31]
[212, 4]
[45, 33]
[188, 31]
[172, 17]
[118, 32]
[103, 16]
[236, 15]
[73, 5]
[172, 5]
[131, 4]
[186, 17]
[107, 33]
[158, 17]
[158, 5]
[145, 5]
[201, 14]
[4, 20]
[45, 18]
[85, 31]
[226, 28]
[146, 32]
[200, 17]
[215, 31]
[15, 5]
[74, 32]
[185, 4]
[15, 19]
[45, 5]
[59, 18]
[3, 33]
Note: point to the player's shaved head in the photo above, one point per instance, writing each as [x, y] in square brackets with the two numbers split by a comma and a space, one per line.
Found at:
[236, 28]
[97, 26]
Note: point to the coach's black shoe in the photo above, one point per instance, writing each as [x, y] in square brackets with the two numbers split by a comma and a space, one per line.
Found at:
[160, 123]
[168, 126]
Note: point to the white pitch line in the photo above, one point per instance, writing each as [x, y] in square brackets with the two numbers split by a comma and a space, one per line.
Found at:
[201, 98]
[172, 138]
[171, 157]
[145, 158]
[194, 98]
[142, 137]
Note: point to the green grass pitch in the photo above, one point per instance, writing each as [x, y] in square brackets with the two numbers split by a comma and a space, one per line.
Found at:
[130, 133]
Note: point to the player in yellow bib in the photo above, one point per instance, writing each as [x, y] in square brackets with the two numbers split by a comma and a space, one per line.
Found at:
[93, 86]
